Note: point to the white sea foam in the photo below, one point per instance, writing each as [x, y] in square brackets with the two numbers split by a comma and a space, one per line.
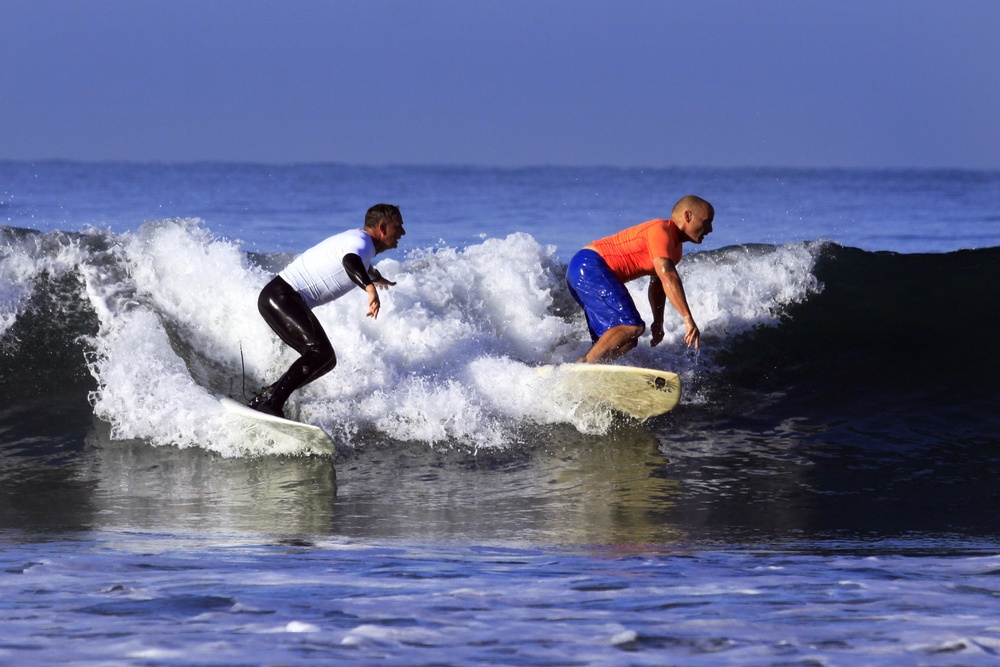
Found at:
[23, 261]
[735, 289]
[449, 359]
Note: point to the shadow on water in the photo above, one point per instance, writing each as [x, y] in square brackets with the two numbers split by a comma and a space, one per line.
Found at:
[567, 489]
[139, 487]
[559, 487]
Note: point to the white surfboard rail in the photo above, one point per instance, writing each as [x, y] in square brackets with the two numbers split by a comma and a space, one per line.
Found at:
[314, 436]
[640, 393]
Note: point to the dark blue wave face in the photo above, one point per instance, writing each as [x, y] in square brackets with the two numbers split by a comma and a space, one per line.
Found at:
[887, 332]
[873, 409]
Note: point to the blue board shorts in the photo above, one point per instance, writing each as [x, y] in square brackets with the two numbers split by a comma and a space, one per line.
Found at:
[605, 299]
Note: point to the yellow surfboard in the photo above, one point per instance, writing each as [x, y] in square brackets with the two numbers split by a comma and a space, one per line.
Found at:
[640, 393]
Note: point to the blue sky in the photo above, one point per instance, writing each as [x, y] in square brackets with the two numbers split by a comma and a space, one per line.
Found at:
[813, 83]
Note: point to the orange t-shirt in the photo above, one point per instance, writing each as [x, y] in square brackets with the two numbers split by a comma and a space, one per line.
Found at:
[630, 253]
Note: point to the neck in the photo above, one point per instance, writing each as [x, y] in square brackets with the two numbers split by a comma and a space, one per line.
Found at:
[681, 235]
[376, 240]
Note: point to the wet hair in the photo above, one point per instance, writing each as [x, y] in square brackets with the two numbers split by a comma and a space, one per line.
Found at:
[382, 213]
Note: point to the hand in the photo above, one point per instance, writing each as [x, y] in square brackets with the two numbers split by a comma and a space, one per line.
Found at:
[692, 335]
[379, 279]
[373, 301]
[656, 332]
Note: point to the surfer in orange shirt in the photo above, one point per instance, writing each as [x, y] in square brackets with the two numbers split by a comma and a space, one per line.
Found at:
[597, 274]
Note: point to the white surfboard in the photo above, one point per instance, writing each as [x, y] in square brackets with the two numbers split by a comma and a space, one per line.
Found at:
[640, 393]
[314, 436]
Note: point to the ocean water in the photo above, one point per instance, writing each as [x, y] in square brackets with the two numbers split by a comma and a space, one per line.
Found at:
[825, 493]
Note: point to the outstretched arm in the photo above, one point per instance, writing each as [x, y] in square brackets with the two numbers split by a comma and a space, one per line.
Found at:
[657, 299]
[359, 276]
[379, 279]
[668, 286]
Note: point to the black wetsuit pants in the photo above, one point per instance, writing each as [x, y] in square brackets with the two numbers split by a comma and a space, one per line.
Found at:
[286, 312]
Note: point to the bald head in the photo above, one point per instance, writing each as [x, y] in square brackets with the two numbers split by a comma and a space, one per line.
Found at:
[693, 216]
[692, 203]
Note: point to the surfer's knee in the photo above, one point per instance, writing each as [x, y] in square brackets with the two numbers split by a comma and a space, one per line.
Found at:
[632, 341]
[330, 364]
[630, 337]
[327, 353]
[633, 332]
[322, 359]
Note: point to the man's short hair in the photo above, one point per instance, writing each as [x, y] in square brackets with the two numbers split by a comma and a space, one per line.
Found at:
[382, 213]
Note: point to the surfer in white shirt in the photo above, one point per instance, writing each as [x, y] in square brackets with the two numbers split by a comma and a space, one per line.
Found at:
[321, 274]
